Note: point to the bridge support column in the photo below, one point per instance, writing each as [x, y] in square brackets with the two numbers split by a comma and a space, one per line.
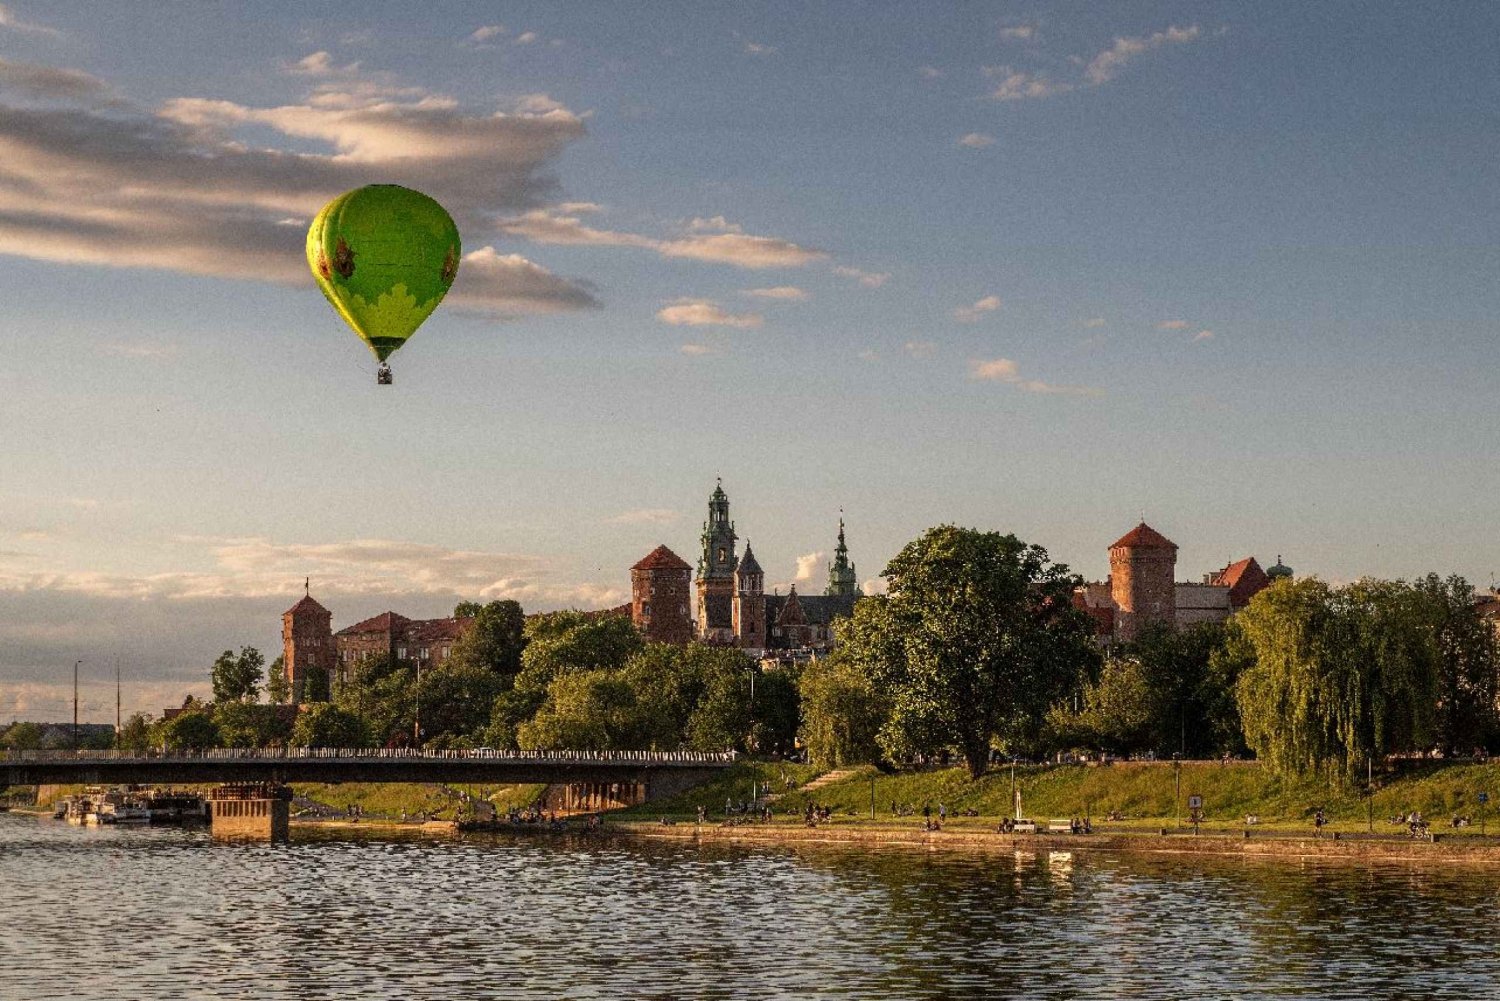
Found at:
[258, 811]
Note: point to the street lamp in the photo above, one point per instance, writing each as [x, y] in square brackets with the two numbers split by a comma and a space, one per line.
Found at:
[75, 703]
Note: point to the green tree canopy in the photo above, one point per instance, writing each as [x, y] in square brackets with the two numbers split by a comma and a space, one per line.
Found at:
[842, 713]
[976, 638]
[22, 736]
[236, 678]
[190, 730]
[135, 733]
[278, 689]
[494, 639]
[246, 724]
[328, 725]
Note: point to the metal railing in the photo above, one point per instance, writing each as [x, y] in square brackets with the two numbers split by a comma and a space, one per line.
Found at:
[377, 754]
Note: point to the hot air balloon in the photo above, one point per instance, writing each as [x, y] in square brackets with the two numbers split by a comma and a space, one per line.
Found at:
[384, 256]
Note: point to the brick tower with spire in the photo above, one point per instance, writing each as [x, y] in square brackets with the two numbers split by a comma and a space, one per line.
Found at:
[750, 602]
[306, 642]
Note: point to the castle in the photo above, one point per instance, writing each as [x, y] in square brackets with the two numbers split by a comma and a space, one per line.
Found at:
[1142, 590]
[733, 607]
[309, 644]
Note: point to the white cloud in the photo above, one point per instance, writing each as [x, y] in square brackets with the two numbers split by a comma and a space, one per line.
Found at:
[929, 72]
[705, 313]
[510, 285]
[73, 191]
[696, 350]
[920, 349]
[1203, 335]
[1015, 85]
[868, 355]
[526, 37]
[714, 224]
[977, 140]
[486, 32]
[971, 314]
[1094, 322]
[809, 564]
[321, 64]
[8, 20]
[727, 246]
[869, 279]
[788, 293]
[1172, 325]
[1007, 371]
[1018, 33]
[873, 586]
[644, 516]
[1105, 66]
[756, 49]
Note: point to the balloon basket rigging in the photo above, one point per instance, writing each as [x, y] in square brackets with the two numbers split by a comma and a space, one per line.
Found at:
[383, 375]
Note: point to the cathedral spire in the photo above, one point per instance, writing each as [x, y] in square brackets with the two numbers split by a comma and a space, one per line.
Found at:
[842, 580]
[718, 559]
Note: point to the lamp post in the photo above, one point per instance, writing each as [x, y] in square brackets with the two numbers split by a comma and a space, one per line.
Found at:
[416, 726]
[75, 703]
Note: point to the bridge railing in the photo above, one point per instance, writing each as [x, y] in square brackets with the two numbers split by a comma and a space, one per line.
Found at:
[376, 754]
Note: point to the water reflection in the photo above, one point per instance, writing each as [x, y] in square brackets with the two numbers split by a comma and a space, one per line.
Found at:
[93, 910]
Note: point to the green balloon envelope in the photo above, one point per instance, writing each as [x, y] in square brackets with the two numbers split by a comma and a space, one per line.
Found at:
[384, 256]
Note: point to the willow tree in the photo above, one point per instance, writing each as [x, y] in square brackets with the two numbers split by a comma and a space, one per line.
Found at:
[975, 639]
[1336, 676]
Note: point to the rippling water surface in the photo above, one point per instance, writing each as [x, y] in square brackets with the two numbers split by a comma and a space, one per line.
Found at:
[107, 913]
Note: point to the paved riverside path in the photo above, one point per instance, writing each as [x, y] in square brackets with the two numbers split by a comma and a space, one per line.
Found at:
[663, 773]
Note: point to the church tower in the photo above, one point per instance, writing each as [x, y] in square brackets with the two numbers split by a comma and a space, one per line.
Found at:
[306, 643]
[842, 580]
[716, 572]
[750, 602]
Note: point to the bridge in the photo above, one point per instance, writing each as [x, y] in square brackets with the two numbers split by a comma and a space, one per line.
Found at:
[656, 773]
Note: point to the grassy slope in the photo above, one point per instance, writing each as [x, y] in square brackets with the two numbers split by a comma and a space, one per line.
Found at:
[735, 783]
[1142, 792]
[390, 799]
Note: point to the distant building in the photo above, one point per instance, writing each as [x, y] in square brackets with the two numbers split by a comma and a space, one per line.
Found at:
[660, 595]
[733, 607]
[308, 642]
[1142, 590]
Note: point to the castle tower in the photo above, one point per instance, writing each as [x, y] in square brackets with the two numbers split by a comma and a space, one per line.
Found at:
[1142, 565]
[842, 580]
[750, 602]
[306, 643]
[716, 572]
[659, 595]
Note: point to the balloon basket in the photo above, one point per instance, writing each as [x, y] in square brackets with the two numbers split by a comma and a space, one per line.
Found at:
[383, 376]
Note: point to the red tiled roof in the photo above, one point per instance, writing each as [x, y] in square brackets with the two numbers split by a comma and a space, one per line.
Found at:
[1244, 578]
[1143, 536]
[385, 622]
[437, 630]
[307, 604]
[604, 613]
[662, 558]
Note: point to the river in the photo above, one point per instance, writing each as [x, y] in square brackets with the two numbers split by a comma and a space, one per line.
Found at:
[163, 913]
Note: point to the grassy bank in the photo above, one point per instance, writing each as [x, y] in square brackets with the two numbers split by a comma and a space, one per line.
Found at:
[1147, 795]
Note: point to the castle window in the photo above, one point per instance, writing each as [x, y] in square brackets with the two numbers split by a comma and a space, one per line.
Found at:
[645, 609]
[401, 653]
[722, 557]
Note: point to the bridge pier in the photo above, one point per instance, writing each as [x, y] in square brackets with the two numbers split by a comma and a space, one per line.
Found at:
[255, 811]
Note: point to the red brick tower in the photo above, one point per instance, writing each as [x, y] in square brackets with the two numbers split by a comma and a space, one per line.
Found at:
[1142, 567]
[750, 602]
[660, 592]
[306, 643]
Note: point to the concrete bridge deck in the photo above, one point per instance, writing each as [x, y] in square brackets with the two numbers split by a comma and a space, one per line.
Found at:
[662, 773]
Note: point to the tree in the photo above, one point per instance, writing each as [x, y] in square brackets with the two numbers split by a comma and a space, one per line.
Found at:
[1119, 711]
[246, 724]
[586, 710]
[842, 713]
[494, 639]
[328, 725]
[315, 685]
[237, 678]
[1468, 670]
[22, 737]
[456, 699]
[135, 734]
[190, 730]
[278, 689]
[975, 639]
[1339, 676]
[382, 692]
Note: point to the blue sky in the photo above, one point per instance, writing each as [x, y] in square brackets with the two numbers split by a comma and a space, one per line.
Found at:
[1037, 268]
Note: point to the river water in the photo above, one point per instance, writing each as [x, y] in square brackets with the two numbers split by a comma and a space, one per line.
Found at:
[163, 913]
